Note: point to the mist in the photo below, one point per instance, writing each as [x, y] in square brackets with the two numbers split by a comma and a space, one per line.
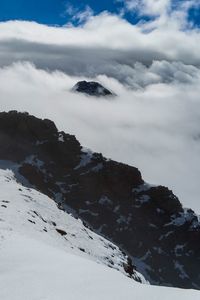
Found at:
[155, 127]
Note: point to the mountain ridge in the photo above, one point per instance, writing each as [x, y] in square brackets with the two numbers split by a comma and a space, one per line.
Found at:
[147, 222]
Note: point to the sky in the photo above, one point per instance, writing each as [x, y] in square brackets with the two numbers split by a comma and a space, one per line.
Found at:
[60, 12]
[51, 11]
[145, 51]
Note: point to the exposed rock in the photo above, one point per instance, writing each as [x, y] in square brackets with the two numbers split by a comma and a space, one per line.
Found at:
[129, 267]
[61, 232]
[147, 222]
[92, 88]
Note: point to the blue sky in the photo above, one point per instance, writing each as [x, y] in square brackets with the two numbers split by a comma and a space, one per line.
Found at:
[48, 11]
[52, 12]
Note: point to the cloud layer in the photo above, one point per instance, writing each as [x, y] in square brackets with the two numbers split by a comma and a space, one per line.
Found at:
[155, 128]
[102, 43]
[153, 67]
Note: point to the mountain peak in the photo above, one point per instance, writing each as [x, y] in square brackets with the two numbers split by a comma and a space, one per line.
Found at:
[92, 88]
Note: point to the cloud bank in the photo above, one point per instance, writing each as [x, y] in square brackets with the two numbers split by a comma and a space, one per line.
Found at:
[153, 67]
[103, 43]
[155, 128]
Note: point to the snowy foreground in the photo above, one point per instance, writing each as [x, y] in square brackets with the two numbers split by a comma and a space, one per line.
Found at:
[46, 254]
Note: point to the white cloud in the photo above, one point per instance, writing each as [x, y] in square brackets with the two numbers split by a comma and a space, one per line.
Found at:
[159, 7]
[78, 15]
[104, 38]
[149, 7]
[155, 128]
[84, 15]
[70, 10]
[153, 67]
[163, 11]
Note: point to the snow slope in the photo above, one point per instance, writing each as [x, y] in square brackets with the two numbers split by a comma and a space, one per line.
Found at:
[26, 212]
[46, 254]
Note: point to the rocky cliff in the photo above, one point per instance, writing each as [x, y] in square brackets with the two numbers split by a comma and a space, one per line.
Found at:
[147, 222]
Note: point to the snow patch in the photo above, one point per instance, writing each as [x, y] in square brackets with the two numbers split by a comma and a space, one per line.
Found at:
[86, 158]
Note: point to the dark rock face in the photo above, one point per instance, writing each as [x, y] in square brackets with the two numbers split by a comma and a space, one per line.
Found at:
[147, 222]
[61, 232]
[92, 88]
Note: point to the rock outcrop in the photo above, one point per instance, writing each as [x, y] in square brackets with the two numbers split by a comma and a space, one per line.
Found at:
[92, 88]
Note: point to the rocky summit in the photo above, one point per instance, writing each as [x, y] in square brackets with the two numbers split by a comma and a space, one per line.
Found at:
[147, 222]
[92, 88]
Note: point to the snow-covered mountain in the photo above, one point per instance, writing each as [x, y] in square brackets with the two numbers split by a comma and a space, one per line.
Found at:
[147, 222]
[45, 253]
